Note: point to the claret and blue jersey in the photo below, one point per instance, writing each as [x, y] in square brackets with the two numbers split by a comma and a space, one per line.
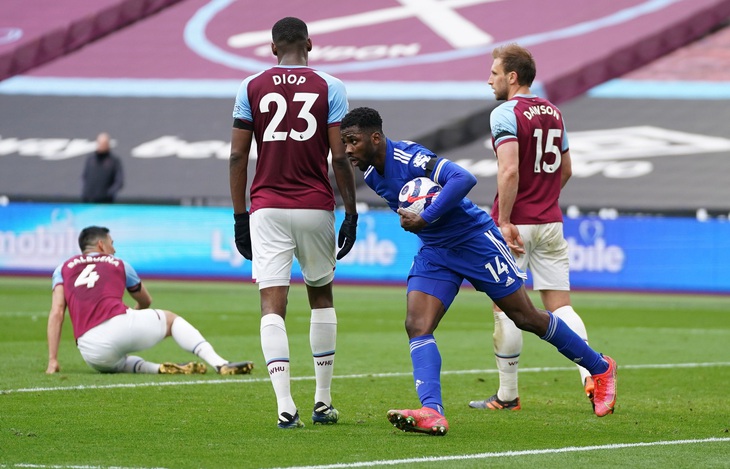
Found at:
[452, 217]
[289, 109]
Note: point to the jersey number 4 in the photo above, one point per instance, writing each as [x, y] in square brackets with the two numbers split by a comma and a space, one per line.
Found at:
[546, 147]
[271, 134]
[88, 277]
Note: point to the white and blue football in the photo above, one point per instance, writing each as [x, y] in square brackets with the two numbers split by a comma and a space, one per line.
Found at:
[417, 194]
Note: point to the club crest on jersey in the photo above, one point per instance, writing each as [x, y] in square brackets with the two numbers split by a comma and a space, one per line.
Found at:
[420, 160]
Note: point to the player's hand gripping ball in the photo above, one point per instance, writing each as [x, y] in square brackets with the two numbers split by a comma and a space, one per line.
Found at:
[417, 194]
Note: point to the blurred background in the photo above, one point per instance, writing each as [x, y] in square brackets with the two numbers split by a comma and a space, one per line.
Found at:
[643, 86]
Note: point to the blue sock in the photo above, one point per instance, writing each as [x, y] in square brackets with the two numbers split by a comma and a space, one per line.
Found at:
[572, 346]
[427, 371]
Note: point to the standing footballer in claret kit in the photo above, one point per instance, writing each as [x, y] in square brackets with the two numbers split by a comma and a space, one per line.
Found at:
[531, 144]
[294, 112]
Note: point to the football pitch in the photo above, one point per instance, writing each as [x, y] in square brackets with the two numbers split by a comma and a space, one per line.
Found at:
[673, 354]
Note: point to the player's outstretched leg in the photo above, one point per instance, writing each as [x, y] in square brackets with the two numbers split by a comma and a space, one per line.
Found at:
[568, 315]
[552, 329]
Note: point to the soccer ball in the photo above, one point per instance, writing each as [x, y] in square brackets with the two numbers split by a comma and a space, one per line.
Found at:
[417, 194]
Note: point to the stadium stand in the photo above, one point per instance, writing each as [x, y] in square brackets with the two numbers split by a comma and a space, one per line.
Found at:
[164, 87]
[37, 32]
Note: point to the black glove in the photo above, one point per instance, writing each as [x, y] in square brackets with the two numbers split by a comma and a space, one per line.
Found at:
[242, 231]
[348, 233]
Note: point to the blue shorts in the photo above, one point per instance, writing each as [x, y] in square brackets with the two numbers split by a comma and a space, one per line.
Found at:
[485, 261]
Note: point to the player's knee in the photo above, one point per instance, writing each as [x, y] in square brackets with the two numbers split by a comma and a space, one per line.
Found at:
[418, 326]
[169, 319]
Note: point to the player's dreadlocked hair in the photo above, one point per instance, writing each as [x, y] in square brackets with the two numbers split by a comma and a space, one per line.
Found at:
[364, 117]
[90, 235]
[289, 30]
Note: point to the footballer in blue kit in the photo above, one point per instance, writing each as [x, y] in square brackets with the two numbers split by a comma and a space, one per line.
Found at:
[459, 236]
[460, 242]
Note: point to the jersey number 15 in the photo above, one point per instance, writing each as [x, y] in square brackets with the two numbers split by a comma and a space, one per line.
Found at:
[545, 147]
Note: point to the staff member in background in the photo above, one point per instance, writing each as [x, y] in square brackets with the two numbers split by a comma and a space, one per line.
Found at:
[103, 177]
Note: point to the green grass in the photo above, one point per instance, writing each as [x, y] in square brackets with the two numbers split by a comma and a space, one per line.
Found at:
[672, 351]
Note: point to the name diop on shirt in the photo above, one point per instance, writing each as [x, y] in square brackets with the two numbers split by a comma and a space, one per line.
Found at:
[533, 111]
[93, 259]
[288, 79]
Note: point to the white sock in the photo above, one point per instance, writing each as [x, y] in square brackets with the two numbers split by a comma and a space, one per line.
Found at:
[190, 339]
[507, 349]
[571, 318]
[275, 345]
[322, 339]
[135, 364]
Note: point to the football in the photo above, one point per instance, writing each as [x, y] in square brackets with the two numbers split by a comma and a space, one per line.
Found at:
[417, 194]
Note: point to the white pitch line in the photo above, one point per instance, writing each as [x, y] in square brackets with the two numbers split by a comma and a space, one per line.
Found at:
[462, 457]
[85, 387]
[569, 449]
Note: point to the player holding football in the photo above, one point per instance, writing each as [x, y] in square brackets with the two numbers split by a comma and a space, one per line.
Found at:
[294, 113]
[531, 144]
[460, 241]
[92, 286]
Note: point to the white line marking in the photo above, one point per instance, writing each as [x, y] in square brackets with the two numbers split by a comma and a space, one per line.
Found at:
[395, 462]
[23, 314]
[569, 449]
[84, 387]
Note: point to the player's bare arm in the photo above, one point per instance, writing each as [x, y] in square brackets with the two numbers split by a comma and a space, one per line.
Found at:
[238, 167]
[508, 179]
[55, 324]
[566, 169]
[344, 172]
[142, 297]
[345, 178]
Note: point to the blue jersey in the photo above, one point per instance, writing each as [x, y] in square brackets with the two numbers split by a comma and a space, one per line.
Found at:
[452, 218]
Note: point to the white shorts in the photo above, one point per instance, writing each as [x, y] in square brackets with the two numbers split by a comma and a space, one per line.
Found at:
[278, 235]
[105, 347]
[546, 256]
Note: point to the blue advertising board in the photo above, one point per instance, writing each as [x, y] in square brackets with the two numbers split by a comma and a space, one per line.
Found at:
[181, 242]
[627, 253]
[649, 253]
